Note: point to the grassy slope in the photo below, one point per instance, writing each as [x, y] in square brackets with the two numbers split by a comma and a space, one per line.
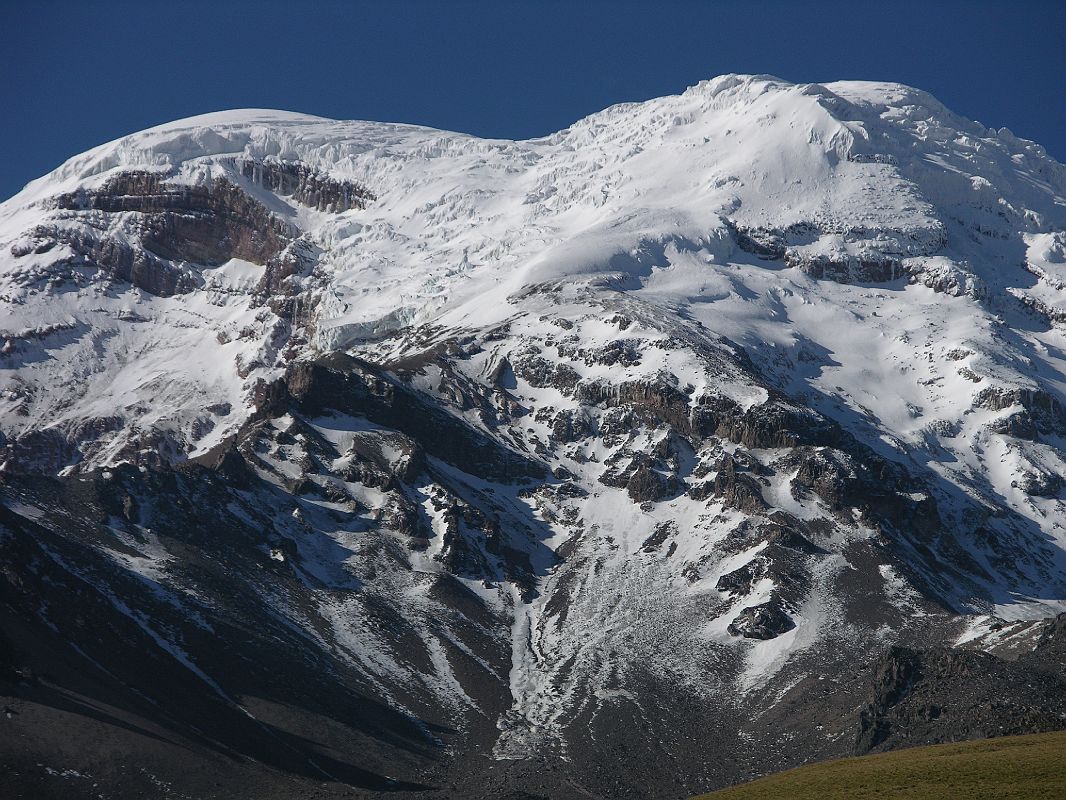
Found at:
[1009, 768]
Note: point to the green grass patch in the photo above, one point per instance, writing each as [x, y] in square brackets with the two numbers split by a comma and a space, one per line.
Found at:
[1007, 768]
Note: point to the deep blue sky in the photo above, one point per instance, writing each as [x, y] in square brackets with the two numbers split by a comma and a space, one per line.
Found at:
[75, 74]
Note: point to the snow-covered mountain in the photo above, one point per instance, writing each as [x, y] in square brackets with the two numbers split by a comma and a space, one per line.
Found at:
[710, 435]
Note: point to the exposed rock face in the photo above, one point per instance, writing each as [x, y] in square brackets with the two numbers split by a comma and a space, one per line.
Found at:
[571, 426]
[737, 490]
[785, 531]
[401, 455]
[874, 269]
[929, 697]
[867, 256]
[646, 485]
[348, 385]
[1039, 484]
[204, 224]
[171, 224]
[770, 424]
[116, 258]
[1039, 412]
[764, 621]
[742, 580]
[305, 185]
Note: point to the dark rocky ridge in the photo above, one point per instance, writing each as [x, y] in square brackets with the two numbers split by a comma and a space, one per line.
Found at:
[765, 621]
[941, 695]
[348, 385]
[318, 717]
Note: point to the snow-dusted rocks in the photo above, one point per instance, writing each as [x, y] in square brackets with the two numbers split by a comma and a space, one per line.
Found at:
[647, 436]
[764, 621]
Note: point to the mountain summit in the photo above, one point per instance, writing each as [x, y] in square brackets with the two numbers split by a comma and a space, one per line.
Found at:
[709, 436]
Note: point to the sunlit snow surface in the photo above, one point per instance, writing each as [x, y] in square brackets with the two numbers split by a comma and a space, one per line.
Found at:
[631, 208]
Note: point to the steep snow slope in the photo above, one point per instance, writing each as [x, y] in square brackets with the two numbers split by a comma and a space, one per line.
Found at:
[703, 400]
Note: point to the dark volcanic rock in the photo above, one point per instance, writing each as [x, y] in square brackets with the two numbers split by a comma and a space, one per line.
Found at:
[662, 532]
[1040, 412]
[541, 372]
[120, 689]
[786, 532]
[571, 426]
[766, 621]
[396, 453]
[341, 383]
[872, 269]
[771, 424]
[647, 485]
[1038, 484]
[737, 489]
[942, 695]
[741, 580]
